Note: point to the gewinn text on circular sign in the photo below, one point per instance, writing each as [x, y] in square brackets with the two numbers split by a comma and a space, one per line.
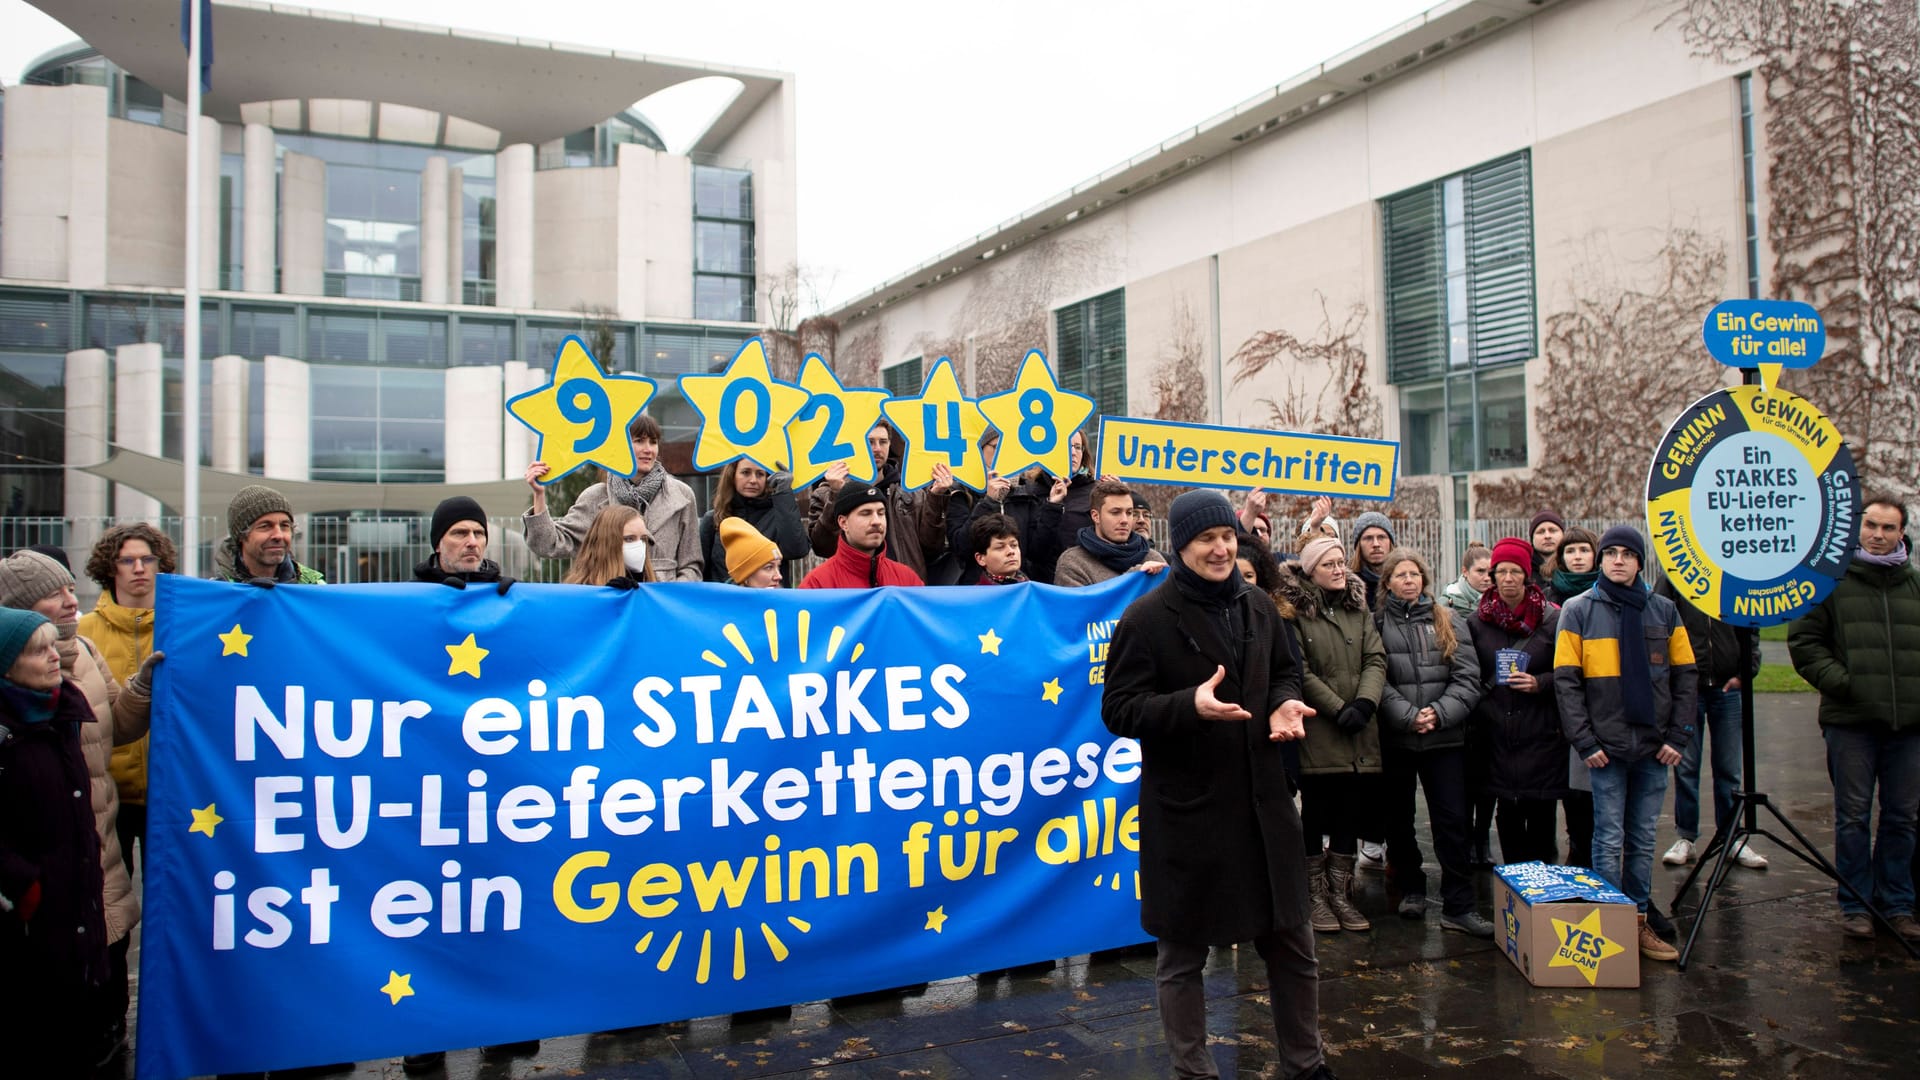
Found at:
[1752, 505]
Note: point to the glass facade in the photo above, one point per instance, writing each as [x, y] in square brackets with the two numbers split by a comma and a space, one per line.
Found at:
[723, 265]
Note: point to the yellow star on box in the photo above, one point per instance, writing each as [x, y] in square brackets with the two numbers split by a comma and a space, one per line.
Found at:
[464, 658]
[936, 919]
[1036, 420]
[234, 641]
[205, 821]
[744, 412]
[989, 642]
[398, 986]
[832, 426]
[1581, 946]
[582, 413]
[943, 425]
[1050, 691]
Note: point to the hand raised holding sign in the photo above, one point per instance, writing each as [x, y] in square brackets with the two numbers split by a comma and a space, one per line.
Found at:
[829, 431]
[581, 414]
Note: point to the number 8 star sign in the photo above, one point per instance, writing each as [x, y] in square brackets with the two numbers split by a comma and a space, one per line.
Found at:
[582, 413]
[744, 412]
[1036, 420]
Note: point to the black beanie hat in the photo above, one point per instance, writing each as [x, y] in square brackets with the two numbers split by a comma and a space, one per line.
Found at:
[1197, 511]
[853, 496]
[1625, 536]
[451, 512]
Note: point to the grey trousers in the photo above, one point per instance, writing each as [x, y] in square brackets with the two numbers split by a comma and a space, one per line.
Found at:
[1293, 981]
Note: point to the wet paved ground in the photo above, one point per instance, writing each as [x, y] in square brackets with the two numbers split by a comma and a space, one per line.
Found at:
[1773, 991]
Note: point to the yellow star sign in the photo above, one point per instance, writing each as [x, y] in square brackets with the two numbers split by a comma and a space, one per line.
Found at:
[989, 642]
[464, 658]
[1581, 946]
[1036, 420]
[234, 641]
[744, 412]
[582, 414]
[398, 986]
[1050, 691]
[832, 426]
[940, 425]
[936, 919]
[205, 821]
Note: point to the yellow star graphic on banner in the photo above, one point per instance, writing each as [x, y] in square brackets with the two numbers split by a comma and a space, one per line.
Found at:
[465, 658]
[832, 426]
[1050, 691]
[398, 986]
[936, 919]
[1036, 420]
[205, 821]
[234, 641]
[581, 414]
[989, 642]
[744, 412]
[1581, 946]
[943, 425]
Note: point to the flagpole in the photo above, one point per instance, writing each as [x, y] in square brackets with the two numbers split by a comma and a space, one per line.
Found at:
[189, 561]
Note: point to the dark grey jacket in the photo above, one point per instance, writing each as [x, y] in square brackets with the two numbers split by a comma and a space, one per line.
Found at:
[1418, 675]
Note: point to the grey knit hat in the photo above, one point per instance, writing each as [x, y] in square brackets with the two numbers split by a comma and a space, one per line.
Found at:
[1373, 519]
[250, 504]
[28, 577]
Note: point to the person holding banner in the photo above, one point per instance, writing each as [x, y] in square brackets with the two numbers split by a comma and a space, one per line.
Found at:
[458, 534]
[762, 500]
[1198, 672]
[662, 498]
[1109, 546]
[615, 550]
[260, 541]
[916, 520]
[996, 550]
[860, 558]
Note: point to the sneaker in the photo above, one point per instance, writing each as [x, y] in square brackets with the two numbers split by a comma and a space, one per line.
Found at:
[1471, 922]
[413, 1063]
[1680, 854]
[1321, 1071]
[1413, 906]
[1749, 858]
[1372, 856]
[1906, 926]
[1856, 925]
[1652, 946]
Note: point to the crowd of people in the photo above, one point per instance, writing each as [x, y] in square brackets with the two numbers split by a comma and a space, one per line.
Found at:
[1545, 695]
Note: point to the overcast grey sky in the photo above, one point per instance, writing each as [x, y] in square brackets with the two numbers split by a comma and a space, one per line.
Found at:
[921, 125]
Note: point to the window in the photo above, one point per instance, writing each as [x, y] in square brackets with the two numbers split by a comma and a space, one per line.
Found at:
[723, 269]
[1461, 316]
[903, 379]
[485, 341]
[378, 424]
[1090, 351]
[233, 188]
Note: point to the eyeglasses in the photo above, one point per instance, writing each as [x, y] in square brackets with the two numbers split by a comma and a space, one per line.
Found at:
[128, 562]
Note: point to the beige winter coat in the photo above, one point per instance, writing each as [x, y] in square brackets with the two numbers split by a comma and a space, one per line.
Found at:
[118, 718]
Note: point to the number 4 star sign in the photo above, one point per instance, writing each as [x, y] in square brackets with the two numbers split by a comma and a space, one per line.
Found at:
[1036, 420]
[940, 425]
[582, 413]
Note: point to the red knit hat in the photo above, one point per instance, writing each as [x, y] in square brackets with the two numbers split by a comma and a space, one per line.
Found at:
[1513, 550]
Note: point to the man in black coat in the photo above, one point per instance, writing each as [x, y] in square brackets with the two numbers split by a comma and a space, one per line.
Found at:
[1221, 856]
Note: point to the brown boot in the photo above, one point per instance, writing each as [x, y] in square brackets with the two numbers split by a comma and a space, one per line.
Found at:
[1652, 946]
[1339, 882]
[1321, 913]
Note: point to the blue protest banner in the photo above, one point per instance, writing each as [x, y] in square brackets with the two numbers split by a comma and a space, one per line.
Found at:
[400, 818]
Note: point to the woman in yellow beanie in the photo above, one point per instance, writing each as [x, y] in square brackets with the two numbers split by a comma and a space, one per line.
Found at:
[752, 559]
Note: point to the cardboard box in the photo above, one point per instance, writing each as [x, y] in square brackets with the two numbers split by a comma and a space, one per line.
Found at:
[1565, 926]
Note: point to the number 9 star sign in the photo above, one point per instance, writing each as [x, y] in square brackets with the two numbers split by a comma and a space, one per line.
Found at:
[582, 413]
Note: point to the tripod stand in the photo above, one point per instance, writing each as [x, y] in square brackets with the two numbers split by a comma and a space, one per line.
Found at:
[1747, 804]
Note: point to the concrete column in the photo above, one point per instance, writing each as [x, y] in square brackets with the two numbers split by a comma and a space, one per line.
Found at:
[53, 185]
[456, 236]
[516, 442]
[257, 238]
[630, 232]
[139, 387]
[303, 225]
[433, 231]
[775, 228]
[513, 243]
[476, 404]
[229, 447]
[289, 418]
[209, 203]
[86, 420]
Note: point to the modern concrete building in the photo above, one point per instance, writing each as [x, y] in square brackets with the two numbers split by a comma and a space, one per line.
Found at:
[401, 224]
[1490, 234]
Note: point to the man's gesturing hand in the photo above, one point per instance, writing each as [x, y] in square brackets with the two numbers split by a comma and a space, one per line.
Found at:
[1289, 722]
[1212, 708]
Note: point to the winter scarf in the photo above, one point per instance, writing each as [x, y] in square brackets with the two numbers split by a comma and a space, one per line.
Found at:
[1569, 584]
[1118, 558]
[31, 706]
[1522, 620]
[1636, 675]
[638, 494]
[1014, 578]
[1896, 557]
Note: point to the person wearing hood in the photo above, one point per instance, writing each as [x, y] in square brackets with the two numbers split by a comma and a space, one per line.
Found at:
[1035, 500]
[1574, 566]
[917, 521]
[1340, 763]
[1545, 531]
[458, 533]
[1476, 577]
[763, 500]
[1198, 673]
[31, 581]
[673, 523]
[1109, 546]
[860, 558]
[259, 543]
[1528, 751]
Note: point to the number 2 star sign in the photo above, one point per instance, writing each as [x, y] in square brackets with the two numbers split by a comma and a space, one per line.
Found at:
[582, 413]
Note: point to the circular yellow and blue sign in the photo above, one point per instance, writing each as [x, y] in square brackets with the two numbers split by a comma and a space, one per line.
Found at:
[1753, 505]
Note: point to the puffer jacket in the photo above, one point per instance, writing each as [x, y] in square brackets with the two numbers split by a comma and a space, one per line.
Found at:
[1345, 662]
[670, 517]
[1586, 678]
[120, 717]
[1716, 646]
[1419, 675]
[1860, 647]
[124, 637]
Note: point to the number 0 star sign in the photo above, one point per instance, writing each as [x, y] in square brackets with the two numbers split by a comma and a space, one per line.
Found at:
[1036, 420]
[940, 425]
[581, 414]
[832, 426]
[744, 412]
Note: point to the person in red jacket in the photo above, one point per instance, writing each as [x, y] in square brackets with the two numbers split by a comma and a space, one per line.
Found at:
[860, 561]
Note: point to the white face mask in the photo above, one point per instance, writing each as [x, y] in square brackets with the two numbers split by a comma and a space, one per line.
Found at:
[634, 553]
